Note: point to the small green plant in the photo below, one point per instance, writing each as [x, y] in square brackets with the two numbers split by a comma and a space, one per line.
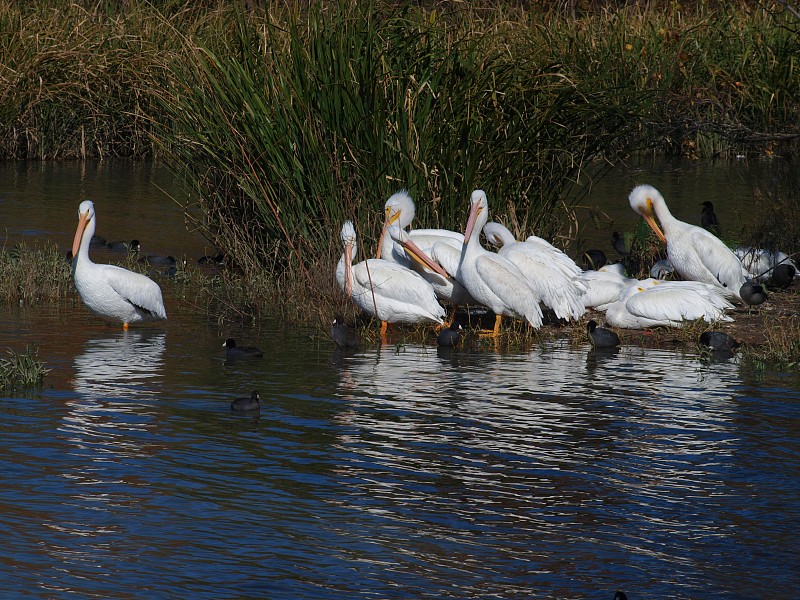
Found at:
[781, 349]
[22, 370]
[31, 275]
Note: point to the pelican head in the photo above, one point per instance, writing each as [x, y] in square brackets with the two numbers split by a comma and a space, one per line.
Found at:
[498, 235]
[478, 214]
[646, 200]
[399, 210]
[85, 217]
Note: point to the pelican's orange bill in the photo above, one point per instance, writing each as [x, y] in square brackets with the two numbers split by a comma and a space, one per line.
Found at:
[82, 222]
[422, 258]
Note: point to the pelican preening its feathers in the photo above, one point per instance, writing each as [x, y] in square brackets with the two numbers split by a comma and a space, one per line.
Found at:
[696, 254]
[111, 292]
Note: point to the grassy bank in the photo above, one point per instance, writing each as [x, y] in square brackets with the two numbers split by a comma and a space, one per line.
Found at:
[286, 120]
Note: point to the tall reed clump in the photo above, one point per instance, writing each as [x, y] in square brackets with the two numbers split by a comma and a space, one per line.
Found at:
[22, 370]
[31, 275]
[725, 76]
[74, 78]
[293, 126]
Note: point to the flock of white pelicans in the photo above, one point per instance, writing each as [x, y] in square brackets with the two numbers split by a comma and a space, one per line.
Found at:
[417, 271]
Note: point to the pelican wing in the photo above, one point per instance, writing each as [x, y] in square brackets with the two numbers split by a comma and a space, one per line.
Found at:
[506, 281]
[553, 255]
[558, 288]
[723, 264]
[139, 290]
[711, 293]
[395, 281]
[447, 256]
[674, 304]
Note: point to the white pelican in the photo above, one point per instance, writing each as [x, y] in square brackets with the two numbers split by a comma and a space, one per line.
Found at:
[111, 292]
[695, 253]
[491, 279]
[552, 274]
[760, 262]
[650, 303]
[399, 209]
[388, 291]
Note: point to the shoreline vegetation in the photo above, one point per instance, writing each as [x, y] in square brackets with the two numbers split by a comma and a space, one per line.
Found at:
[285, 119]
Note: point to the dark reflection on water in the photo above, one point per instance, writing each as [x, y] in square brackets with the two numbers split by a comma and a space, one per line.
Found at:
[394, 472]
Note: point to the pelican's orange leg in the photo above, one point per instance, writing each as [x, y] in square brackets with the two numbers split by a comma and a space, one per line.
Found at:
[496, 331]
[497, 320]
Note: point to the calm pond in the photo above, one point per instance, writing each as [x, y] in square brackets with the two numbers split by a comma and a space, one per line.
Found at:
[392, 472]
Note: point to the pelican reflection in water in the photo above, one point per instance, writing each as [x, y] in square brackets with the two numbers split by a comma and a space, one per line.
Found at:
[123, 365]
[117, 376]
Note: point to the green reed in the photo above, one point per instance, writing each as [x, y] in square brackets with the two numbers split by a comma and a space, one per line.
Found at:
[22, 370]
[285, 120]
[304, 123]
[724, 75]
[33, 275]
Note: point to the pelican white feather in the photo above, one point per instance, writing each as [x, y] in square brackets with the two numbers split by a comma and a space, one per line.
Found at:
[386, 290]
[651, 303]
[549, 272]
[603, 287]
[111, 292]
[695, 253]
[491, 279]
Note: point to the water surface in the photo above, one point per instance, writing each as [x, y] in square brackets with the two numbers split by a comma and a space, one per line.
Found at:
[392, 472]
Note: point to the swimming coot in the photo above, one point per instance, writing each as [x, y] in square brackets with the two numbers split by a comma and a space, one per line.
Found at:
[343, 334]
[234, 351]
[132, 247]
[451, 336]
[708, 219]
[247, 404]
[600, 337]
[619, 244]
[157, 260]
